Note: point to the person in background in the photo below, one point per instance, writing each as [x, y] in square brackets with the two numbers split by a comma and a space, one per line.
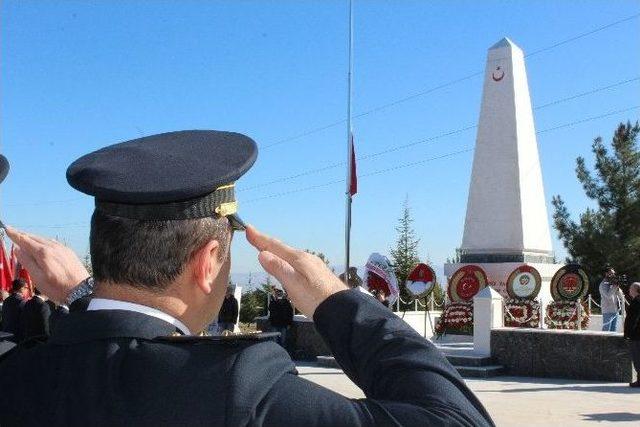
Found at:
[611, 298]
[228, 316]
[280, 315]
[632, 329]
[34, 320]
[381, 297]
[12, 308]
[3, 295]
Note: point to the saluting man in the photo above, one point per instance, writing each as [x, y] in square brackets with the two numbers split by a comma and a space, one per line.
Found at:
[165, 214]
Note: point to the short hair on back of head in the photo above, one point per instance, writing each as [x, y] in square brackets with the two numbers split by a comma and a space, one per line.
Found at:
[150, 254]
[18, 284]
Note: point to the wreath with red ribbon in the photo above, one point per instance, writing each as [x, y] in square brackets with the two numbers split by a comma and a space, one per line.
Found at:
[457, 318]
[564, 315]
[521, 313]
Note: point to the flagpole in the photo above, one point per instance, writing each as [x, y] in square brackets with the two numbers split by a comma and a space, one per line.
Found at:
[347, 225]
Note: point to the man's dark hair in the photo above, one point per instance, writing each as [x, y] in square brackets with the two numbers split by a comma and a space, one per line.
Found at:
[18, 284]
[150, 254]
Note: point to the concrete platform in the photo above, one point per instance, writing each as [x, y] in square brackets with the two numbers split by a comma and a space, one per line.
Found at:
[459, 354]
[520, 401]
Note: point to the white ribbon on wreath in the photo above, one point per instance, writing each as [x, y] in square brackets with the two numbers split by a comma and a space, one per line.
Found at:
[567, 322]
[533, 316]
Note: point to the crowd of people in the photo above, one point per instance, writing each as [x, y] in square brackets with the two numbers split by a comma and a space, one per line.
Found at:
[26, 318]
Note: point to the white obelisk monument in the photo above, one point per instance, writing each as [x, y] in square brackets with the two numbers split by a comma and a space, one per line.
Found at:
[506, 224]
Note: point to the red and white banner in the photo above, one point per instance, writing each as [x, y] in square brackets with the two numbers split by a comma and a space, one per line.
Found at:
[380, 276]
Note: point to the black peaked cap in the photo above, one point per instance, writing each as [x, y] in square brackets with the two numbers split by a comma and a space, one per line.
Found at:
[163, 169]
[4, 167]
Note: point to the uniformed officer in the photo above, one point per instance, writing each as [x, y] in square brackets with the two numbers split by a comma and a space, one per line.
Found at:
[164, 217]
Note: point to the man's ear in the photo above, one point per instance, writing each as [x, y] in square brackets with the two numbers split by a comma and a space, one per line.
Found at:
[206, 265]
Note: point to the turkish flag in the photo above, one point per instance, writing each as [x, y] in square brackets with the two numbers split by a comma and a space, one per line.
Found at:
[353, 185]
[13, 260]
[6, 276]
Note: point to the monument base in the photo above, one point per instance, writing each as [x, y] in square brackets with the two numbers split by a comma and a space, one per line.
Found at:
[577, 355]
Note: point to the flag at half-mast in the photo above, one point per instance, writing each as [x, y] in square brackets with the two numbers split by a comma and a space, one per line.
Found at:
[353, 176]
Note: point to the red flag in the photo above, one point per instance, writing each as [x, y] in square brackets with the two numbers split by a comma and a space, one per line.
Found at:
[6, 278]
[353, 185]
[13, 260]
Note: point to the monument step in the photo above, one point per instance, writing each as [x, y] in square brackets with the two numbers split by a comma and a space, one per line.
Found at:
[479, 371]
[464, 360]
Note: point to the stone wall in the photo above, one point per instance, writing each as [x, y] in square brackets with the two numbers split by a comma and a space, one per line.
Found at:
[304, 341]
[585, 355]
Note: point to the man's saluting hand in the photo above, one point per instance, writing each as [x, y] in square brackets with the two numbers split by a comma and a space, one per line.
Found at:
[53, 266]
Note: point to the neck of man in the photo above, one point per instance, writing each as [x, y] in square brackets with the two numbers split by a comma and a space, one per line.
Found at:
[168, 301]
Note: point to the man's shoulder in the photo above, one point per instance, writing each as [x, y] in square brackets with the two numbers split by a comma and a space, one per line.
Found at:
[204, 377]
[14, 355]
[193, 354]
[218, 341]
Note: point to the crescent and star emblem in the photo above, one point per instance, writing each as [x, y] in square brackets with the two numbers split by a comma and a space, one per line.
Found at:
[500, 77]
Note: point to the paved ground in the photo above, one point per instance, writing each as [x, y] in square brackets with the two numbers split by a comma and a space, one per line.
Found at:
[521, 401]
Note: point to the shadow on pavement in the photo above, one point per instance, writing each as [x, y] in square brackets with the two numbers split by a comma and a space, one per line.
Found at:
[612, 417]
[622, 389]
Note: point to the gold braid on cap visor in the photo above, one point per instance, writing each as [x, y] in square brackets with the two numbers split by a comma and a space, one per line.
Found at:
[220, 202]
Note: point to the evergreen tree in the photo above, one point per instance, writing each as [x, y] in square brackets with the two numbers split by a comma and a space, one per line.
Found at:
[610, 233]
[252, 305]
[254, 302]
[405, 254]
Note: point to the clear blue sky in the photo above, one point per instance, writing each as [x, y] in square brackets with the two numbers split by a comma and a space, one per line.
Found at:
[79, 75]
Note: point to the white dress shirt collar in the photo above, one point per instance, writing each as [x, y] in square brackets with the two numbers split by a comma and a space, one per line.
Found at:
[112, 304]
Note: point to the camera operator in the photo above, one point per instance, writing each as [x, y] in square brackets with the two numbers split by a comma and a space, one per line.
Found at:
[611, 298]
[632, 328]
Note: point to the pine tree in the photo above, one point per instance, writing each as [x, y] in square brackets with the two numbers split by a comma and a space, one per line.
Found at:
[405, 254]
[610, 233]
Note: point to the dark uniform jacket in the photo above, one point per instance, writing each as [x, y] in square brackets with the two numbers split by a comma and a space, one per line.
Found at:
[229, 310]
[280, 312]
[34, 319]
[114, 368]
[11, 310]
[632, 320]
